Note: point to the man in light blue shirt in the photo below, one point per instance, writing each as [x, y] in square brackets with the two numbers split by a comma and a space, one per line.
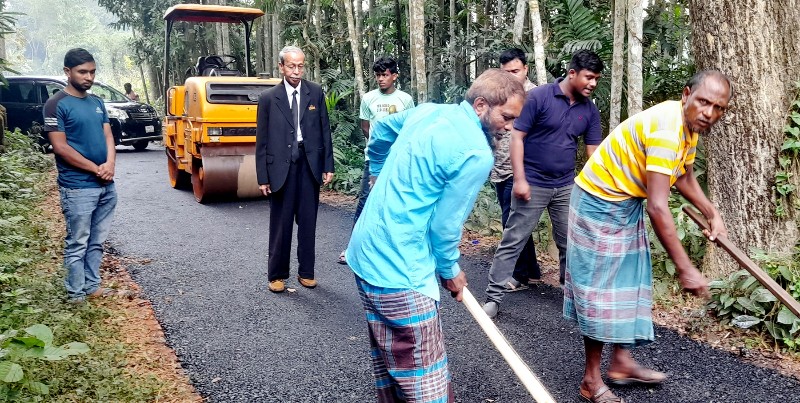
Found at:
[430, 163]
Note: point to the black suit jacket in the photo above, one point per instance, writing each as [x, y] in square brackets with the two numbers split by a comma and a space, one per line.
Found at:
[275, 133]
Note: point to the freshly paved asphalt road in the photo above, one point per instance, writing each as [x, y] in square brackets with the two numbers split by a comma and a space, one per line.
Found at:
[240, 343]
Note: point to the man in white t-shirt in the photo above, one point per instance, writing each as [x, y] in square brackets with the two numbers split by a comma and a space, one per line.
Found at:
[376, 105]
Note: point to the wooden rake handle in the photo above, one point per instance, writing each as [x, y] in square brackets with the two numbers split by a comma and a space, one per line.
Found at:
[748, 264]
[528, 379]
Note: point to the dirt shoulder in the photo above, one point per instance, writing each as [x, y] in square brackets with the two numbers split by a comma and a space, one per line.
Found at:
[148, 355]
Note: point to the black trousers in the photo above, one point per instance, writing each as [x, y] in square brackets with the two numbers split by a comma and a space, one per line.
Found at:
[298, 202]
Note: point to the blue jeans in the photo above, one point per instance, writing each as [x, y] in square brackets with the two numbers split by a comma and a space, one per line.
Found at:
[527, 267]
[362, 195]
[522, 221]
[88, 213]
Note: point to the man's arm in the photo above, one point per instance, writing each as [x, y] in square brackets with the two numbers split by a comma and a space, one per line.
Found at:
[688, 186]
[453, 208]
[262, 123]
[327, 141]
[590, 150]
[383, 134]
[658, 189]
[522, 189]
[72, 157]
[365, 129]
[106, 169]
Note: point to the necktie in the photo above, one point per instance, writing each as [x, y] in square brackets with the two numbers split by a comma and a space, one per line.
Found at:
[296, 116]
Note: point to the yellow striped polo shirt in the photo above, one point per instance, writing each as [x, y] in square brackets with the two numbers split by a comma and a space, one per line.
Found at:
[652, 140]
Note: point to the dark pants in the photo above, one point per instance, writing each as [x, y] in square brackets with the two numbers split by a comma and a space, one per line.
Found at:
[362, 195]
[527, 266]
[297, 201]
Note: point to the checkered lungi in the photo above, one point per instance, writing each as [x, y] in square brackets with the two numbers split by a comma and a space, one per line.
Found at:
[407, 346]
[608, 285]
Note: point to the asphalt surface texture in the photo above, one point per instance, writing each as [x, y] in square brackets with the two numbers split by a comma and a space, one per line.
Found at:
[207, 281]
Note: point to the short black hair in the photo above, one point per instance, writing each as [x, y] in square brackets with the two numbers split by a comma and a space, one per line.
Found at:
[513, 53]
[585, 59]
[383, 64]
[76, 57]
[701, 76]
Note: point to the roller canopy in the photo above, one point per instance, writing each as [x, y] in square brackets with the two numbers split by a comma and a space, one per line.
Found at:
[208, 13]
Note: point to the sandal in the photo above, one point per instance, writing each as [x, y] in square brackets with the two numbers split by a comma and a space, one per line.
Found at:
[514, 285]
[342, 259]
[640, 375]
[603, 395]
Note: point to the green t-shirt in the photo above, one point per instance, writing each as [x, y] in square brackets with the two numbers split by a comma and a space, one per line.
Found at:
[376, 105]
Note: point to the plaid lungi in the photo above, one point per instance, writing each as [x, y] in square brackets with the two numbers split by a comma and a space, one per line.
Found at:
[407, 347]
[608, 284]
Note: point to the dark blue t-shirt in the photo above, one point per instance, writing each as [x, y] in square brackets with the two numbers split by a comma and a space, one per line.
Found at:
[81, 119]
[553, 127]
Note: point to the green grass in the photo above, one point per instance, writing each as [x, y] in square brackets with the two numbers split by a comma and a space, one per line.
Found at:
[32, 292]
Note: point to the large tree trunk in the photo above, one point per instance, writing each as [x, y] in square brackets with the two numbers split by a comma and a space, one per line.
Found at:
[318, 30]
[635, 28]
[451, 31]
[538, 42]
[355, 46]
[519, 22]
[756, 44]
[417, 36]
[277, 42]
[617, 63]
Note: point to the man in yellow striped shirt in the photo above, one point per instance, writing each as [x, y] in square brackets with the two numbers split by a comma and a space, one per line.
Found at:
[608, 284]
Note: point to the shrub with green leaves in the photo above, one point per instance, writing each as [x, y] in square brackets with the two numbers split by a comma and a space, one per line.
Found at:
[740, 300]
[17, 351]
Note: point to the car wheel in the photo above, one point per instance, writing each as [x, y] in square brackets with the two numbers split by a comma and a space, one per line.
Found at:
[140, 145]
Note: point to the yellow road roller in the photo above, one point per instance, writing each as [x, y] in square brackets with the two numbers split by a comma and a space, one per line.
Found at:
[210, 120]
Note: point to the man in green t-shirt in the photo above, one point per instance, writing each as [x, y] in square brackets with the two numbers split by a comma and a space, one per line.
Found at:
[376, 105]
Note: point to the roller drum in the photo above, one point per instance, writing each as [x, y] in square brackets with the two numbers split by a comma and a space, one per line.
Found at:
[226, 172]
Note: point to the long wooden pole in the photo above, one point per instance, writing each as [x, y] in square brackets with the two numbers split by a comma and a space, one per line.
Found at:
[528, 379]
[748, 264]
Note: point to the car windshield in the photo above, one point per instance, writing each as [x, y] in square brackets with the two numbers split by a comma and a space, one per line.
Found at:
[108, 94]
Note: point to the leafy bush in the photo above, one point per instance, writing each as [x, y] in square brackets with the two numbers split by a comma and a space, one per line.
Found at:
[486, 216]
[742, 301]
[18, 350]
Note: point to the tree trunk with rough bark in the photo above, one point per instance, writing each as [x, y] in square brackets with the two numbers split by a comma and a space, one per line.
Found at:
[635, 27]
[277, 41]
[417, 36]
[757, 45]
[354, 46]
[519, 22]
[318, 30]
[617, 63]
[538, 42]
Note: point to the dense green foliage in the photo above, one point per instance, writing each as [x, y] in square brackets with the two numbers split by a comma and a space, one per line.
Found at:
[45, 30]
[49, 351]
[785, 182]
[741, 300]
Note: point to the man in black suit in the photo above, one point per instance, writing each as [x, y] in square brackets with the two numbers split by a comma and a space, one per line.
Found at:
[294, 156]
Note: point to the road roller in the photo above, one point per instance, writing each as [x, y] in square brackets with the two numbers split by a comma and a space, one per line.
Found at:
[210, 118]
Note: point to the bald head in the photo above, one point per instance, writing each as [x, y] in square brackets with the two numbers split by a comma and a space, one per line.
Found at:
[717, 76]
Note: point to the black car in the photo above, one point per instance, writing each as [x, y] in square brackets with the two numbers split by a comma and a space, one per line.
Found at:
[133, 123]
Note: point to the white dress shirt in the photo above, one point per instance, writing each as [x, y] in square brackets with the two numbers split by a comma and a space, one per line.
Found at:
[289, 91]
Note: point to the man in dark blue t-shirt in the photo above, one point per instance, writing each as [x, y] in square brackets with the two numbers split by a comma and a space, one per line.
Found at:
[544, 145]
[82, 141]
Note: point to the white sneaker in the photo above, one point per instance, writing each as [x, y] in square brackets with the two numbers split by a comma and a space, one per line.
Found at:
[491, 308]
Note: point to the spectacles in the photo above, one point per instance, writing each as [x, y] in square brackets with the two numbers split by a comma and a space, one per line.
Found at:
[292, 67]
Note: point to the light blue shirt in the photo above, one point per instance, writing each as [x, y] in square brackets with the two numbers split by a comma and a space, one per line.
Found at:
[431, 161]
